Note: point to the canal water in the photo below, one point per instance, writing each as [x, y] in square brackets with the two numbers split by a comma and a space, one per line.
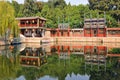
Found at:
[60, 61]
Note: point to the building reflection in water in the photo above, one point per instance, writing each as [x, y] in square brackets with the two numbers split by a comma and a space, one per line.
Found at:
[62, 51]
[33, 57]
[93, 57]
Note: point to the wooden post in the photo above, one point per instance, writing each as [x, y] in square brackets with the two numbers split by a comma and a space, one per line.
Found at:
[68, 32]
[69, 50]
[57, 32]
[38, 22]
[58, 47]
[84, 33]
[90, 32]
[98, 32]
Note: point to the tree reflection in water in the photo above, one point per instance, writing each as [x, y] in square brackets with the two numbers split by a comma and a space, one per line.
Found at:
[9, 63]
[64, 63]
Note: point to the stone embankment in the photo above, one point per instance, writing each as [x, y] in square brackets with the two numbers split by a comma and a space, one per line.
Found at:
[75, 39]
[87, 39]
[71, 39]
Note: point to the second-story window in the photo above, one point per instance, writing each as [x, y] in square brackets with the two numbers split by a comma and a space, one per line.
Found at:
[27, 22]
[33, 21]
[22, 22]
[40, 22]
[43, 22]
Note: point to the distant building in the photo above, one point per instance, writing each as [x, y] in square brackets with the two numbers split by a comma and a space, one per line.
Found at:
[63, 30]
[77, 32]
[94, 27]
[113, 32]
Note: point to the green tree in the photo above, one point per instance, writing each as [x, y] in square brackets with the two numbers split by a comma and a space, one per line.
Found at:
[39, 5]
[75, 15]
[29, 8]
[56, 3]
[46, 13]
[110, 6]
[9, 63]
[16, 7]
[7, 20]
[104, 4]
[110, 21]
[60, 3]
[20, 13]
[115, 14]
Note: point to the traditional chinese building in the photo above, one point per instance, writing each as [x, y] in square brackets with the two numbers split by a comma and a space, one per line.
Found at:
[94, 27]
[32, 26]
[63, 30]
[113, 32]
[77, 32]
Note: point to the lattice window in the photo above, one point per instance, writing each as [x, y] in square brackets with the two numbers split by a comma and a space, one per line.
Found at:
[88, 31]
[101, 31]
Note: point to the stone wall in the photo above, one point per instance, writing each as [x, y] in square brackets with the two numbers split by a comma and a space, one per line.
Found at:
[87, 39]
[47, 33]
[76, 39]
[110, 45]
[34, 40]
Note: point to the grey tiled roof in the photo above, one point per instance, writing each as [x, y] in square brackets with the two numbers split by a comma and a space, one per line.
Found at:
[23, 18]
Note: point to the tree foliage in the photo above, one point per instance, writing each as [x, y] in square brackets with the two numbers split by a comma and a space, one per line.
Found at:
[104, 4]
[112, 8]
[16, 7]
[7, 20]
[31, 8]
[56, 3]
[73, 15]
[57, 11]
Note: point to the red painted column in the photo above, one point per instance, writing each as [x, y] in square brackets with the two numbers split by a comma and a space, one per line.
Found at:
[106, 51]
[97, 32]
[105, 32]
[91, 32]
[58, 48]
[91, 49]
[98, 50]
[68, 50]
[51, 33]
[84, 33]
[57, 32]
[25, 24]
[73, 33]
[85, 50]
[68, 32]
